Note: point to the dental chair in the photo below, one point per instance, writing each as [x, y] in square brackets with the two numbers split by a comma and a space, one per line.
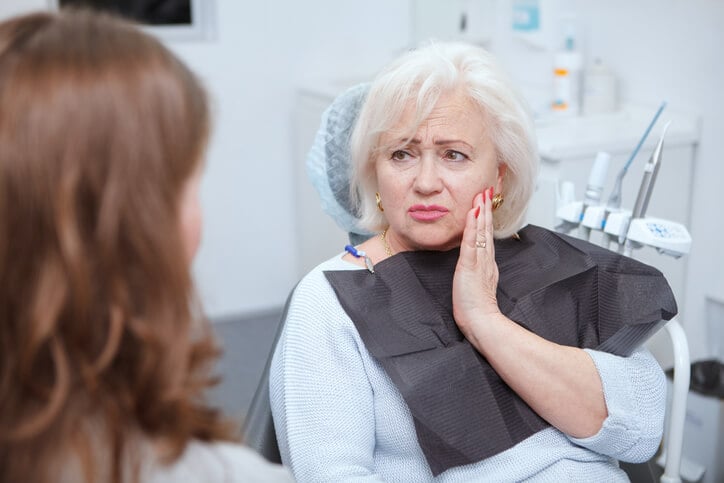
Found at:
[258, 430]
[327, 167]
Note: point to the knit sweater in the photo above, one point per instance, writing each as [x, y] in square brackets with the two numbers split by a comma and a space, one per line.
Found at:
[339, 417]
[218, 463]
[207, 462]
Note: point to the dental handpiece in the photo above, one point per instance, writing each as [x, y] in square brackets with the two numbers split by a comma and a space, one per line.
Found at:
[614, 200]
[594, 189]
[651, 169]
[597, 179]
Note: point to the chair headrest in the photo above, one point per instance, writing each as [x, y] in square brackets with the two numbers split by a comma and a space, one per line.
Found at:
[329, 164]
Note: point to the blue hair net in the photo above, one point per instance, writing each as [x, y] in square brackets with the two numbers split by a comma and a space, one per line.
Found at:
[329, 165]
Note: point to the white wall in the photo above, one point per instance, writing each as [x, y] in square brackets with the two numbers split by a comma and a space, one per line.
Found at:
[262, 52]
[13, 7]
[240, 266]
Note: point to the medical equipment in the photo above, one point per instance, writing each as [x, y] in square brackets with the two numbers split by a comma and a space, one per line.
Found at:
[634, 230]
[647, 186]
[614, 200]
[668, 237]
[586, 214]
[596, 215]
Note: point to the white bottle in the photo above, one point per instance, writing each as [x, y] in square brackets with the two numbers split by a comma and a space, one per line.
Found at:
[567, 70]
[599, 90]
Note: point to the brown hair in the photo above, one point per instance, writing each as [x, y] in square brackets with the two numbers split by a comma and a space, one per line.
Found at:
[101, 341]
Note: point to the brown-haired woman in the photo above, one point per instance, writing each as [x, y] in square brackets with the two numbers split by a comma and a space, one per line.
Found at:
[103, 355]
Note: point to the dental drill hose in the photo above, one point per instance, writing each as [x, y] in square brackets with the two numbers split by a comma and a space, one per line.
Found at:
[614, 200]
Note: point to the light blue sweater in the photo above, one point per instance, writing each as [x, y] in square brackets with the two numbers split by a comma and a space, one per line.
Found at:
[339, 417]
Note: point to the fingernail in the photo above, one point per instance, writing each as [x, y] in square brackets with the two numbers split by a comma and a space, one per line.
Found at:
[477, 211]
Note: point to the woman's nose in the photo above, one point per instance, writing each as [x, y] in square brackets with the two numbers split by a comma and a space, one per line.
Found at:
[428, 178]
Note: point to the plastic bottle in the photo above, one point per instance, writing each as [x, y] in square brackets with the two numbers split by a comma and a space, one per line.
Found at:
[567, 70]
[599, 90]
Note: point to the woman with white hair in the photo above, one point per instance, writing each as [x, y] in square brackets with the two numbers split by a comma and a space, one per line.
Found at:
[452, 345]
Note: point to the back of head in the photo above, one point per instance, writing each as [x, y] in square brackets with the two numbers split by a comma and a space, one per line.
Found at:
[100, 128]
[419, 78]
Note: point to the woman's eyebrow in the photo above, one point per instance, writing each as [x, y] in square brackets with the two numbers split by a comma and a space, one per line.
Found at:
[437, 142]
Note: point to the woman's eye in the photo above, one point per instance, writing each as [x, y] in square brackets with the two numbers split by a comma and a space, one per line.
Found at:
[400, 155]
[455, 155]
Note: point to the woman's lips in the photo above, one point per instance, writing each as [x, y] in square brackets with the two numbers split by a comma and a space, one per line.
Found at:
[427, 213]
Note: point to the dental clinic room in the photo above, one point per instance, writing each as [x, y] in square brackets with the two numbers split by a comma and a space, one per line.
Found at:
[328, 241]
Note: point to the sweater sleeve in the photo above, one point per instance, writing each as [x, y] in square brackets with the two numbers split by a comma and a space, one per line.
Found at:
[321, 398]
[634, 389]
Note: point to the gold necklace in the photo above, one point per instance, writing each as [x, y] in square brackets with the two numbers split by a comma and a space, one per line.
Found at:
[383, 235]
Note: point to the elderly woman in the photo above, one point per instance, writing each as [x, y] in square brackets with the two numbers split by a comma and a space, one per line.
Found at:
[451, 345]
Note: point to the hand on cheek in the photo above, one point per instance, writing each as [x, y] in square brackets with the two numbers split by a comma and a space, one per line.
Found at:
[476, 274]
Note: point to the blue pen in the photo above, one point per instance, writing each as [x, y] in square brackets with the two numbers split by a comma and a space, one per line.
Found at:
[360, 254]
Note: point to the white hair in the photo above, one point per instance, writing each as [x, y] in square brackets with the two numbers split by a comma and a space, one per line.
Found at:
[423, 75]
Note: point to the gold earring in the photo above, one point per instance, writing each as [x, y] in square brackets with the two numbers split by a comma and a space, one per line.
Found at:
[497, 201]
[379, 202]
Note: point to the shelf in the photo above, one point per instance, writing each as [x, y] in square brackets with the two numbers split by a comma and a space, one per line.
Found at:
[617, 133]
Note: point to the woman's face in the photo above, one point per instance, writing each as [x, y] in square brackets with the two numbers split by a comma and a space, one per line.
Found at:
[427, 184]
[191, 219]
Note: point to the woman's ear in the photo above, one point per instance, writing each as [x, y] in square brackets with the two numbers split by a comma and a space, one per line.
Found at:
[502, 169]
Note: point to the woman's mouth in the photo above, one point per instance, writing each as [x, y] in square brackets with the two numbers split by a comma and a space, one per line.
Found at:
[427, 212]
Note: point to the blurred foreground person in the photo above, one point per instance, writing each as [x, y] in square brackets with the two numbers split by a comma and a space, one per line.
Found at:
[104, 354]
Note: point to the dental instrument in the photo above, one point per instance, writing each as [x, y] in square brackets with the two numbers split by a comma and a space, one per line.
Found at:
[651, 169]
[592, 216]
[614, 200]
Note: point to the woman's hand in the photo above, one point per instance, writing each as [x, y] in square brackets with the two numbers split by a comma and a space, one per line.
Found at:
[558, 382]
[476, 274]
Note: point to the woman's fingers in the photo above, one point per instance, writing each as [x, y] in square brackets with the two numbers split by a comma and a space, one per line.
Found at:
[470, 234]
[481, 240]
[488, 223]
[478, 234]
[475, 276]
